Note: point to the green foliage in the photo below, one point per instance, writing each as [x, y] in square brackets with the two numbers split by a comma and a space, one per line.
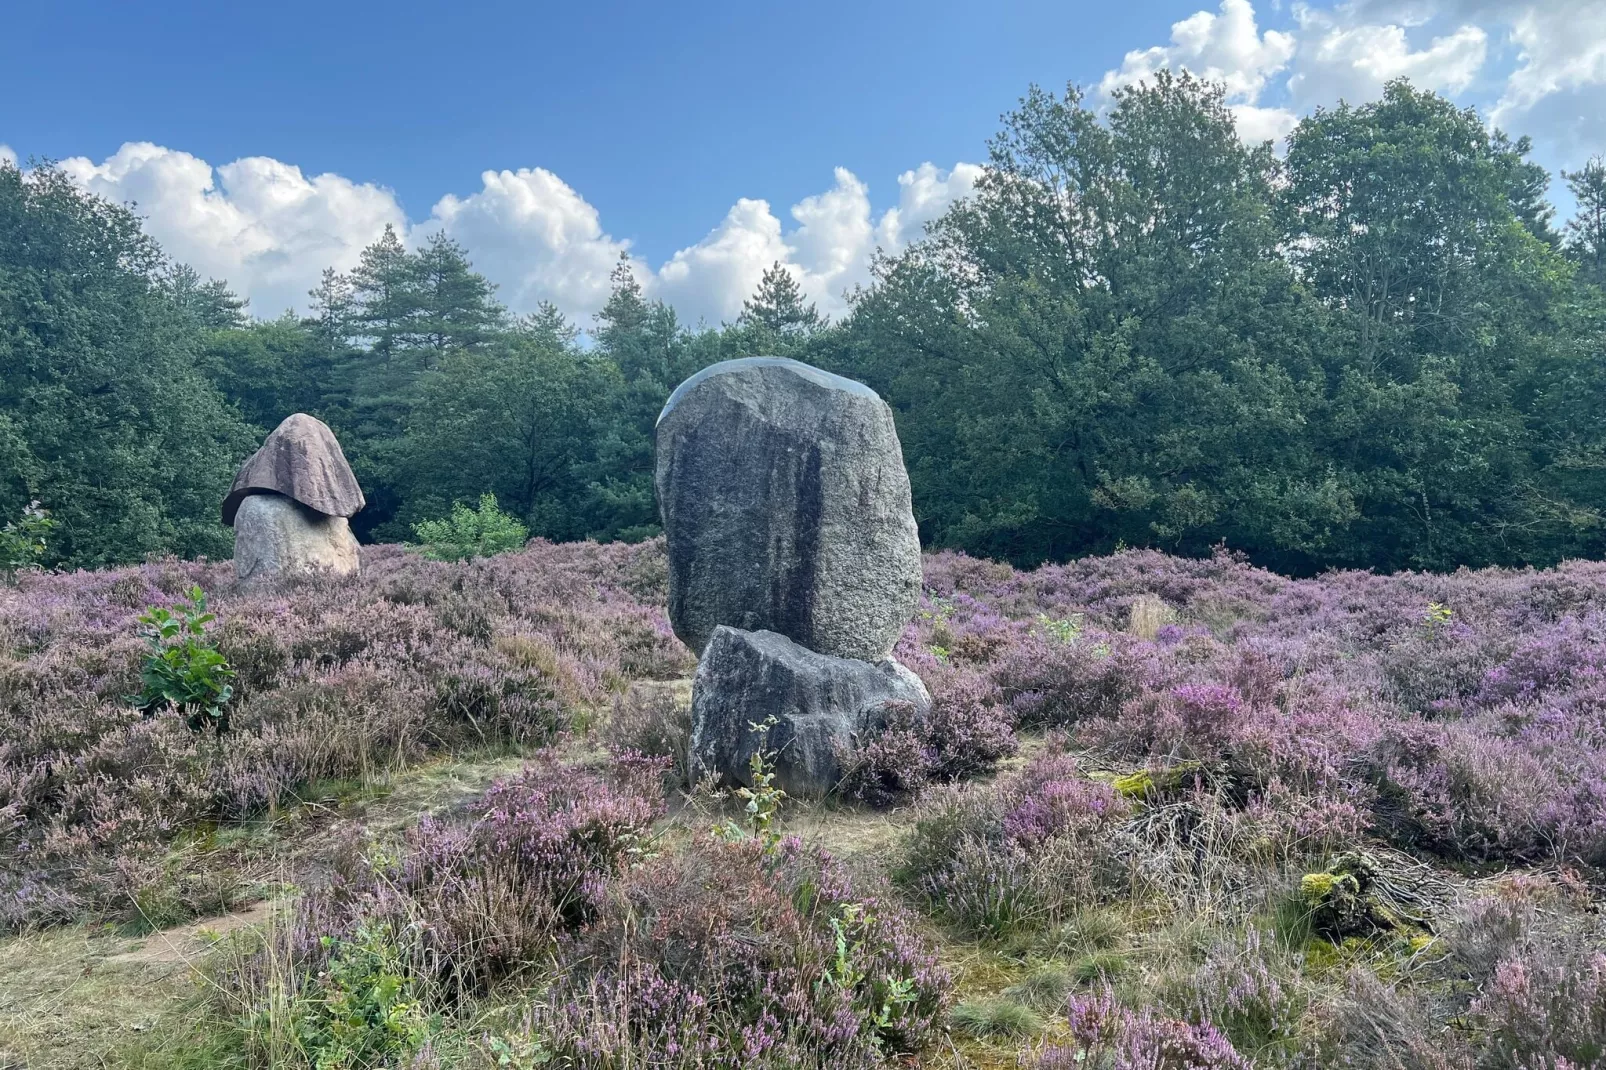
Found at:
[183, 669]
[986, 1018]
[22, 541]
[365, 1010]
[104, 412]
[1372, 351]
[1066, 630]
[481, 532]
[761, 802]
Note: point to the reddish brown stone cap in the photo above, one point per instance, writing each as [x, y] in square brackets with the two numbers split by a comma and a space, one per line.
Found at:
[301, 459]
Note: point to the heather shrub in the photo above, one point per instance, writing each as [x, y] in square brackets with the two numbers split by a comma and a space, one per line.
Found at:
[729, 955]
[965, 733]
[1024, 854]
[1544, 1008]
[652, 721]
[1105, 1034]
[1250, 992]
[340, 680]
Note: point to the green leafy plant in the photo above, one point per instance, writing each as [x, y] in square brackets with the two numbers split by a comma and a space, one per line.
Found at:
[183, 669]
[1068, 630]
[482, 532]
[363, 1010]
[22, 541]
[1436, 616]
[762, 800]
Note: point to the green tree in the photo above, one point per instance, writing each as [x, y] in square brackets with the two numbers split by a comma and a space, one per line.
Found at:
[1101, 344]
[103, 415]
[777, 313]
[517, 420]
[384, 299]
[1586, 230]
[1404, 217]
[455, 305]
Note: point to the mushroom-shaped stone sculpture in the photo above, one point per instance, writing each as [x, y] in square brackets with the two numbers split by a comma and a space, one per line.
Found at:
[289, 506]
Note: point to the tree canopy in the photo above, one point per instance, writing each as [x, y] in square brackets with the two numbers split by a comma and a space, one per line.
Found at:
[1370, 349]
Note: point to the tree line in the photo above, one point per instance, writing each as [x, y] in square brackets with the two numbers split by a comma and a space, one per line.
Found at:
[1373, 348]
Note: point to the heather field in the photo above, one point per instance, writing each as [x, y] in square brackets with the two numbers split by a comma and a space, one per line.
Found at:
[1165, 813]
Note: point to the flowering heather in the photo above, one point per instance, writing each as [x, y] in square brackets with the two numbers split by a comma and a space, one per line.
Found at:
[727, 956]
[1105, 1034]
[337, 679]
[1461, 714]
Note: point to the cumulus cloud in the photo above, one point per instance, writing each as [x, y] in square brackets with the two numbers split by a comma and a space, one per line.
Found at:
[1347, 52]
[270, 230]
[538, 239]
[257, 222]
[924, 194]
[1224, 46]
[1343, 59]
[8, 156]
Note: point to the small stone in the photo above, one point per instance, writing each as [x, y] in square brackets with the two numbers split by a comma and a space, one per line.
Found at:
[276, 538]
[820, 704]
[786, 508]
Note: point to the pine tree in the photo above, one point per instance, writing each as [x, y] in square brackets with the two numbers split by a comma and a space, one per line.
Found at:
[1586, 231]
[385, 305]
[455, 307]
[332, 310]
[626, 311]
[777, 306]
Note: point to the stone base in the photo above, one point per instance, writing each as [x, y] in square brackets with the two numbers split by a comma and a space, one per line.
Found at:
[276, 538]
[821, 705]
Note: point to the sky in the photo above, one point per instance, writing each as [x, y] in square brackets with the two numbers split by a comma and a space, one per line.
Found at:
[263, 143]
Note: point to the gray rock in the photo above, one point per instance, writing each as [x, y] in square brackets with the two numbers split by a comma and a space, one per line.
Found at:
[786, 506]
[276, 538]
[821, 705]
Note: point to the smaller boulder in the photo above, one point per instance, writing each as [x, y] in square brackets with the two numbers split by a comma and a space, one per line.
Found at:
[276, 538]
[820, 706]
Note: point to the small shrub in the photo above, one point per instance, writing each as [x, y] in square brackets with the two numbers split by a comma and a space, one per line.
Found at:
[725, 957]
[484, 531]
[1107, 1035]
[963, 734]
[183, 669]
[985, 1018]
[22, 541]
[364, 1009]
[652, 721]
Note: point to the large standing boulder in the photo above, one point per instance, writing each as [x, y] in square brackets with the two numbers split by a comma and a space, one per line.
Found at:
[820, 706]
[786, 507]
[289, 506]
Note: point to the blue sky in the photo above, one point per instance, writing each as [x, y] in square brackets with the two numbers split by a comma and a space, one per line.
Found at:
[265, 142]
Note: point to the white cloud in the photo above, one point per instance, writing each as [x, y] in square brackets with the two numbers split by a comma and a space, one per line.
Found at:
[8, 155]
[1225, 47]
[531, 233]
[1343, 59]
[709, 280]
[1558, 90]
[258, 223]
[923, 195]
[269, 231]
[1349, 51]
